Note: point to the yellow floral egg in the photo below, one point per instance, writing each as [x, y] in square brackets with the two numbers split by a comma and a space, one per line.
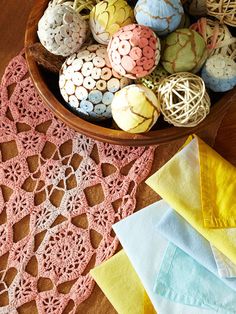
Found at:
[135, 109]
[107, 17]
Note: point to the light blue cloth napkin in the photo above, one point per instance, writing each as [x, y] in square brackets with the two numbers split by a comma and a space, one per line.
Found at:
[178, 231]
[181, 279]
[145, 248]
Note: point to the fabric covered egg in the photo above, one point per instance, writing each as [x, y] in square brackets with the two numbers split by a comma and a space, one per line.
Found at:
[134, 51]
[161, 15]
[135, 109]
[88, 83]
[184, 51]
[107, 17]
[61, 30]
[219, 73]
[153, 80]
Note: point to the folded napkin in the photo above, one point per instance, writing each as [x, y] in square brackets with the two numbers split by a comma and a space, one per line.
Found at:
[178, 182]
[178, 231]
[145, 249]
[122, 286]
[226, 269]
[217, 188]
[182, 279]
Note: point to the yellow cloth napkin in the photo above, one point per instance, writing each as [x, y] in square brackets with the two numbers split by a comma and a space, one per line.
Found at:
[122, 286]
[201, 186]
[218, 188]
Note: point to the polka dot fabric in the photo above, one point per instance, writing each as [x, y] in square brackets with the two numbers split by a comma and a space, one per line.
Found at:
[134, 51]
[88, 82]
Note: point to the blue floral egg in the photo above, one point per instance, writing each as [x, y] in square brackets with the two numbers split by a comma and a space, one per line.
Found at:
[163, 16]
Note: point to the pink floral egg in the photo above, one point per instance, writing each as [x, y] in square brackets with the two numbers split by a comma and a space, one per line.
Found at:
[134, 51]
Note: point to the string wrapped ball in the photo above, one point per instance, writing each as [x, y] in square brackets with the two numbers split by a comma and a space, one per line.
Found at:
[135, 109]
[223, 10]
[183, 50]
[88, 83]
[134, 51]
[61, 30]
[160, 15]
[217, 37]
[153, 80]
[183, 99]
[107, 17]
[219, 73]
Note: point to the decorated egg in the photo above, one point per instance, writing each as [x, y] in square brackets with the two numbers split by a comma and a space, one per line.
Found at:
[153, 80]
[135, 109]
[61, 30]
[160, 15]
[88, 83]
[219, 73]
[184, 50]
[197, 7]
[107, 17]
[134, 51]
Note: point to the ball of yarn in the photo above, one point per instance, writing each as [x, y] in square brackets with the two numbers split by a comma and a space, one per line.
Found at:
[107, 17]
[134, 51]
[153, 80]
[183, 99]
[135, 109]
[61, 30]
[88, 83]
[217, 37]
[219, 73]
[224, 10]
[184, 50]
[160, 15]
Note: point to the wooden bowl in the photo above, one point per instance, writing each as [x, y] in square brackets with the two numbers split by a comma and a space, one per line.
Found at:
[47, 86]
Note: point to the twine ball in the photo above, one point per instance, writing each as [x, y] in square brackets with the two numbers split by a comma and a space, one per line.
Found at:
[160, 15]
[183, 50]
[219, 73]
[88, 83]
[134, 51]
[223, 10]
[107, 17]
[183, 99]
[135, 109]
[153, 80]
[61, 30]
[217, 37]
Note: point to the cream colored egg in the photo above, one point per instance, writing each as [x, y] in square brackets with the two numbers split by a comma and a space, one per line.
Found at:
[135, 109]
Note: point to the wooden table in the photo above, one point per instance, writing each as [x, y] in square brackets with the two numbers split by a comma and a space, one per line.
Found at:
[13, 17]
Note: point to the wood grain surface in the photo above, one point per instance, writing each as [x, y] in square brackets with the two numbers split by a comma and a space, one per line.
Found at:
[13, 17]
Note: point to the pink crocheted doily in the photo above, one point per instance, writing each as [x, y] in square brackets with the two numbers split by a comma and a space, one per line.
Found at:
[66, 249]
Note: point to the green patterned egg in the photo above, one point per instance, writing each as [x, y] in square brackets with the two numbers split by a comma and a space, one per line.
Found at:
[153, 80]
[184, 51]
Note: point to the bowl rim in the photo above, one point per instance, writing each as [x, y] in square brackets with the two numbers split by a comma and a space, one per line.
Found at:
[97, 132]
